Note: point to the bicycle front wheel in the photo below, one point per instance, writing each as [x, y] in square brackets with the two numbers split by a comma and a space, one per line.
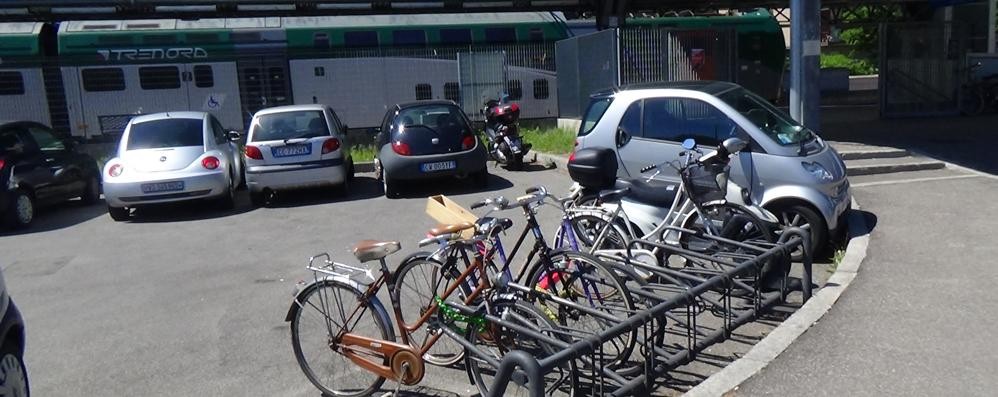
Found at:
[496, 340]
[420, 282]
[586, 282]
[327, 309]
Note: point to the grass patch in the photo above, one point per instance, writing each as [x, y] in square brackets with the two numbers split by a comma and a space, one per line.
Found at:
[836, 259]
[549, 140]
[362, 153]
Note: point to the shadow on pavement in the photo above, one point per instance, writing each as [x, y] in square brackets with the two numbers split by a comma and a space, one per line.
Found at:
[450, 186]
[59, 216]
[361, 188]
[965, 141]
[189, 211]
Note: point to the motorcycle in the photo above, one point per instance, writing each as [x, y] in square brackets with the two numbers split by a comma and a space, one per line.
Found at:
[502, 131]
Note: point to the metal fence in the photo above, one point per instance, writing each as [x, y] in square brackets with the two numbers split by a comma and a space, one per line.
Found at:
[922, 66]
[586, 64]
[640, 54]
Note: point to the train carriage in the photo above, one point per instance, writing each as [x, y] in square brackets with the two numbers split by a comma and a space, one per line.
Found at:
[22, 84]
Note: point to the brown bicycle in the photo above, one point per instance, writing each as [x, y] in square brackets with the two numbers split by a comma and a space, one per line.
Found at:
[343, 338]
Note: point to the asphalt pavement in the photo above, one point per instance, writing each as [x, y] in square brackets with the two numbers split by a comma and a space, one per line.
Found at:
[186, 301]
[920, 318]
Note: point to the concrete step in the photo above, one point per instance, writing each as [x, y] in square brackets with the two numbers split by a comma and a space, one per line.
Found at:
[943, 173]
[873, 153]
[891, 165]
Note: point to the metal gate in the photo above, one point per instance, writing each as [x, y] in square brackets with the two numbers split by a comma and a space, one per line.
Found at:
[481, 76]
[921, 68]
[653, 54]
[586, 64]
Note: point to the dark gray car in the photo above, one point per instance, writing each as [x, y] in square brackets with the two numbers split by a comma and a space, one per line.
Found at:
[427, 139]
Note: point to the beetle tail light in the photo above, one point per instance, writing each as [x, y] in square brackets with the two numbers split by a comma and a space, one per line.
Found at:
[115, 170]
[210, 162]
[467, 142]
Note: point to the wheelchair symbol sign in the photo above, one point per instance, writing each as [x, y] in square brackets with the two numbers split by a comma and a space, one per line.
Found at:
[214, 101]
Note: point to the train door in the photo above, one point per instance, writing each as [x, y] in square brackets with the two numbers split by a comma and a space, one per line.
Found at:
[213, 87]
[263, 83]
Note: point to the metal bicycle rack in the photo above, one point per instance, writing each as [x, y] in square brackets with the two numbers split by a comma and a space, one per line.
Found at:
[684, 311]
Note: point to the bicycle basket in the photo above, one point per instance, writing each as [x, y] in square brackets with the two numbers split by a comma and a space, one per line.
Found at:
[707, 182]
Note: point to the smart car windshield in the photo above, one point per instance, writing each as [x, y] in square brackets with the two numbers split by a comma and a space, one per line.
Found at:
[776, 124]
[164, 133]
[289, 125]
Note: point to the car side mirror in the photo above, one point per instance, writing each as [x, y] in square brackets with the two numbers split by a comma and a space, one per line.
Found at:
[70, 143]
[234, 135]
[734, 145]
[346, 128]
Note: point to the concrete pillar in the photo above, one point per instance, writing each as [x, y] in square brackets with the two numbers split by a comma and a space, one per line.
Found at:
[805, 51]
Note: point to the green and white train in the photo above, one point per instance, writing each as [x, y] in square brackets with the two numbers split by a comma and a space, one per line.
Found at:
[91, 77]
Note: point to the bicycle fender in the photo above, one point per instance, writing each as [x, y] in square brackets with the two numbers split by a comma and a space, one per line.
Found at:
[373, 302]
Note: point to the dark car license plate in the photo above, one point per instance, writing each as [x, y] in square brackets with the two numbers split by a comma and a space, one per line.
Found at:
[162, 187]
[438, 166]
[291, 150]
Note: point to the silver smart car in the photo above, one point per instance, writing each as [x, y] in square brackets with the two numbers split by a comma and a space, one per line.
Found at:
[172, 156]
[786, 168]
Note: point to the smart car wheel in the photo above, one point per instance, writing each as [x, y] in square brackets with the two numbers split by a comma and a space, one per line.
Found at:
[21, 211]
[808, 219]
[13, 375]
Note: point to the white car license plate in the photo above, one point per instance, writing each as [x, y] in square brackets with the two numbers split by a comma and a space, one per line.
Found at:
[438, 166]
[162, 187]
[291, 150]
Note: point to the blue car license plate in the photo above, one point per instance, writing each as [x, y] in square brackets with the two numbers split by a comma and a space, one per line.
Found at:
[291, 150]
[438, 166]
[162, 187]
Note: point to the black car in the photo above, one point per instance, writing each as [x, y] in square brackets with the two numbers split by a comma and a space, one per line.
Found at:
[39, 167]
[427, 139]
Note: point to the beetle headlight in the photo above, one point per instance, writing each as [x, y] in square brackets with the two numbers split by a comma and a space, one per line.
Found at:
[818, 171]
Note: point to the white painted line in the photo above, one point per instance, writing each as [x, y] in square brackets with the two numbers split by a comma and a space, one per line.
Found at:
[787, 332]
[900, 181]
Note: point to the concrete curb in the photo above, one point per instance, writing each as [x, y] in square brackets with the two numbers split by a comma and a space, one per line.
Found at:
[366, 166]
[734, 374]
[558, 161]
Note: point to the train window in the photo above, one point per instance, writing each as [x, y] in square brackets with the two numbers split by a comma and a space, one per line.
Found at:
[500, 35]
[452, 91]
[246, 37]
[361, 38]
[11, 83]
[541, 89]
[409, 37]
[320, 71]
[103, 79]
[455, 36]
[202, 38]
[100, 27]
[320, 40]
[159, 39]
[424, 92]
[278, 89]
[204, 77]
[514, 89]
[159, 77]
[536, 34]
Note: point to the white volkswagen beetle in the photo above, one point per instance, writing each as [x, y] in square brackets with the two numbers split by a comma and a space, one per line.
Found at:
[173, 156]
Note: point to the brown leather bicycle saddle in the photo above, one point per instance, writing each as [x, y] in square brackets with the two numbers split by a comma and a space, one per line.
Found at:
[452, 228]
[370, 250]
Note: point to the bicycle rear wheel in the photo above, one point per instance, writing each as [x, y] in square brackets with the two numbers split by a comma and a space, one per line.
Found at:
[420, 281]
[325, 311]
[497, 340]
[587, 282]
